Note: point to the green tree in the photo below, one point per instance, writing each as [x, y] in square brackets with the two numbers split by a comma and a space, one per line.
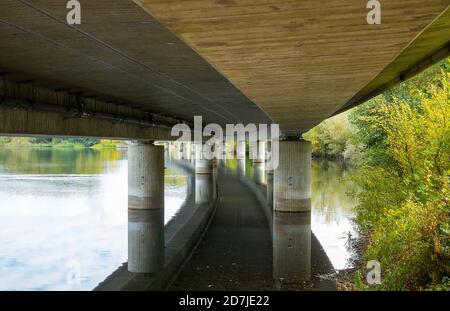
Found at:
[330, 138]
[404, 199]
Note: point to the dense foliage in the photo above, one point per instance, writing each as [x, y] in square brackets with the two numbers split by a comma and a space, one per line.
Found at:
[335, 138]
[401, 142]
[404, 199]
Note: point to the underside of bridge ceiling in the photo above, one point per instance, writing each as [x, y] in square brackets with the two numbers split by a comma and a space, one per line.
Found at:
[294, 62]
[302, 61]
[119, 54]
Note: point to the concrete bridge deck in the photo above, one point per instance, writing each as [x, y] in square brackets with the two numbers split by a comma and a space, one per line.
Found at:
[133, 69]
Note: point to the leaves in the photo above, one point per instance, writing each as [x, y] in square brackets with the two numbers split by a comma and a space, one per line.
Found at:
[404, 197]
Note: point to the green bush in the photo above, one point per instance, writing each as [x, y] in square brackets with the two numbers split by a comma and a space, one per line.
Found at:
[404, 184]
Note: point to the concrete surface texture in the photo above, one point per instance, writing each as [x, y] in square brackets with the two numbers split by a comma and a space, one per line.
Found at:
[301, 61]
[295, 63]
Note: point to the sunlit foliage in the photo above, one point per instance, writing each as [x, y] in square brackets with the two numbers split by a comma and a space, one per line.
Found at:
[42, 141]
[332, 138]
[404, 198]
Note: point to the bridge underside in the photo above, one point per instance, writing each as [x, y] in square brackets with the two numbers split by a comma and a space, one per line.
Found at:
[301, 61]
[120, 61]
[132, 70]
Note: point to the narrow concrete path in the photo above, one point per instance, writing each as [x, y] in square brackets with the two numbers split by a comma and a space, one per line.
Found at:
[236, 252]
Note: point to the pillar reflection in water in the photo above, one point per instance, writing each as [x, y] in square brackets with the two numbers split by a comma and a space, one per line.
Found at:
[240, 157]
[145, 240]
[269, 174]
[291, 247]
[192, 159]
[240, 167]
[204, 190]
[204, 176]
[215, 174]
[259, 172]
[269, 188]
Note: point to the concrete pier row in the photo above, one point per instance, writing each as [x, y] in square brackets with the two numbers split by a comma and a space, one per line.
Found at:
[180, 235]
[249, 247]
[242, 243]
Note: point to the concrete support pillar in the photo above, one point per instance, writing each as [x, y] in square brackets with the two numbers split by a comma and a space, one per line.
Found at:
[291, 248]
[240, 149]
[292, 178]
[260, 153]
[193, 154]
[146, 207]
[184, 151]
[204, 177]
[258, 163]
[202, 166]
[269, 176]
[189, 151]
[240, 157]
[215, 169]
[229, 152]
[145, 176]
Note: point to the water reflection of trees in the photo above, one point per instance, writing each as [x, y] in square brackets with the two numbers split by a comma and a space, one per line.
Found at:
[330, 186]
[48, 160]
[51, 160]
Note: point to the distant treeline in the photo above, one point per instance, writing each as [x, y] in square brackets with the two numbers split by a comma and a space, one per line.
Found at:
[335, 138]
[56, 141]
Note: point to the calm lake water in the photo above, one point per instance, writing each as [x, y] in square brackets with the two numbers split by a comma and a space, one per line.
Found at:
[63, 211]
[332, 207]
